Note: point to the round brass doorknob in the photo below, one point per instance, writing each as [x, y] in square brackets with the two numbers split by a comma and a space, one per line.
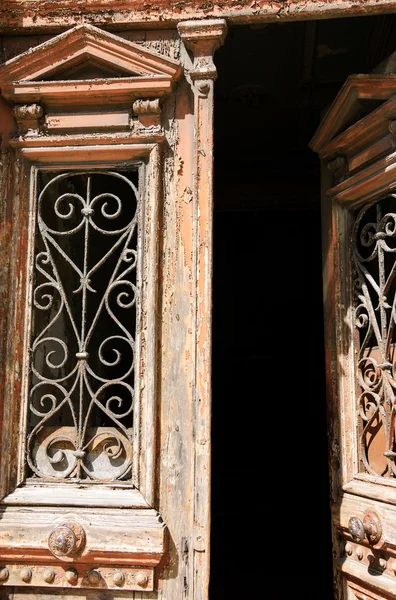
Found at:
[370, 528]
[67, 539]
[356, 529]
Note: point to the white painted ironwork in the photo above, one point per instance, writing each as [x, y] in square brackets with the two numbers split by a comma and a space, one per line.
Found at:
[374, 256]
[83, 339]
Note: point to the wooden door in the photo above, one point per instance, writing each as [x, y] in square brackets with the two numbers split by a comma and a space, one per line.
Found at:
[105, 215]
[356, 144]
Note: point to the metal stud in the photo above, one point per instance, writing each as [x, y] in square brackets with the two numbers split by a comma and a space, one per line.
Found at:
[26, 574]
[348, 549]
[49, 575]
[359, 553]
[141, 579]
[94, 576]
[118, 577]
[71, 575]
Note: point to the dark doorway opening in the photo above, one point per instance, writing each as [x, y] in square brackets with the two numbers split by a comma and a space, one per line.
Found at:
[270, 493]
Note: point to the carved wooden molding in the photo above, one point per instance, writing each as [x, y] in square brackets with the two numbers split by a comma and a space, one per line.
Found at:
[121, 141]
[100, 92]
[130, 71]
[148, 112]
[339, 168]
[367, 584]
[362, 142]
[93, 121]
[86, 42]
[346, 107]
[203, 38]
[28, 117]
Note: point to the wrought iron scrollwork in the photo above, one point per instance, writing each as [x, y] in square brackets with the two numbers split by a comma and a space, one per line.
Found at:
[374, 257]
[84, 319]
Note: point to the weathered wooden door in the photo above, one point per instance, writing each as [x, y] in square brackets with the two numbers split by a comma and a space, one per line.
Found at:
[356, 143]
[105, 214]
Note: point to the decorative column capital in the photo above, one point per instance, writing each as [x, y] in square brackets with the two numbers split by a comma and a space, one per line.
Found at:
[148, 111]
[28, 118]
[203, 38]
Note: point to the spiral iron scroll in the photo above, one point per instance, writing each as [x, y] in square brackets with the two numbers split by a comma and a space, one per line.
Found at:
[374, 257]
[82, 347]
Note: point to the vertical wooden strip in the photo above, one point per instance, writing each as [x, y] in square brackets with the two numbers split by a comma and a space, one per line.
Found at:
[5, 250]
[176, 365]
[203, 370]
[16, 227]
[150, 393]
[203, 38]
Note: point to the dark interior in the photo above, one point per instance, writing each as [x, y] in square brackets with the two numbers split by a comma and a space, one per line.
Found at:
[270, 491]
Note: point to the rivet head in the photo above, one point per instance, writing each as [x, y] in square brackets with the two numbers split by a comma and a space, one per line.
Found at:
[348, 549]
[141, 579]
[94, 576]
[382, 563]
[118, 577]
[359, 553]
[71, 575]
[4, 574]
[49, 575]
[26, 574]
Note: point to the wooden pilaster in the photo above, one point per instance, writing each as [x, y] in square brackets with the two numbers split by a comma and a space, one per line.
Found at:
[202, 38]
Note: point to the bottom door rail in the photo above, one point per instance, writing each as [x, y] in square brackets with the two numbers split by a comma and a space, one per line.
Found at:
[78, 576]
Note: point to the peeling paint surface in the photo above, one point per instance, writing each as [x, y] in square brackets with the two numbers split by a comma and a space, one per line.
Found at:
[17, 15]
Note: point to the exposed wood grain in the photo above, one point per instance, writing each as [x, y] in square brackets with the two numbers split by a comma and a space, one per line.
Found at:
[111, 92]
[77, 496]
[52, 15]
[203, 39]
[376, 588]
[176, 364]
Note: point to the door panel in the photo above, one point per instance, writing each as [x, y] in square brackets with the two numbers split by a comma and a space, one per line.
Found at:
[79, 510]
[359, 266]
[79, 491]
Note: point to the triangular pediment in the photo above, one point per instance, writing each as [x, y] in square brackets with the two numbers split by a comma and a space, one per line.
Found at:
[359, 96]
[86, 69]
[67, 55]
